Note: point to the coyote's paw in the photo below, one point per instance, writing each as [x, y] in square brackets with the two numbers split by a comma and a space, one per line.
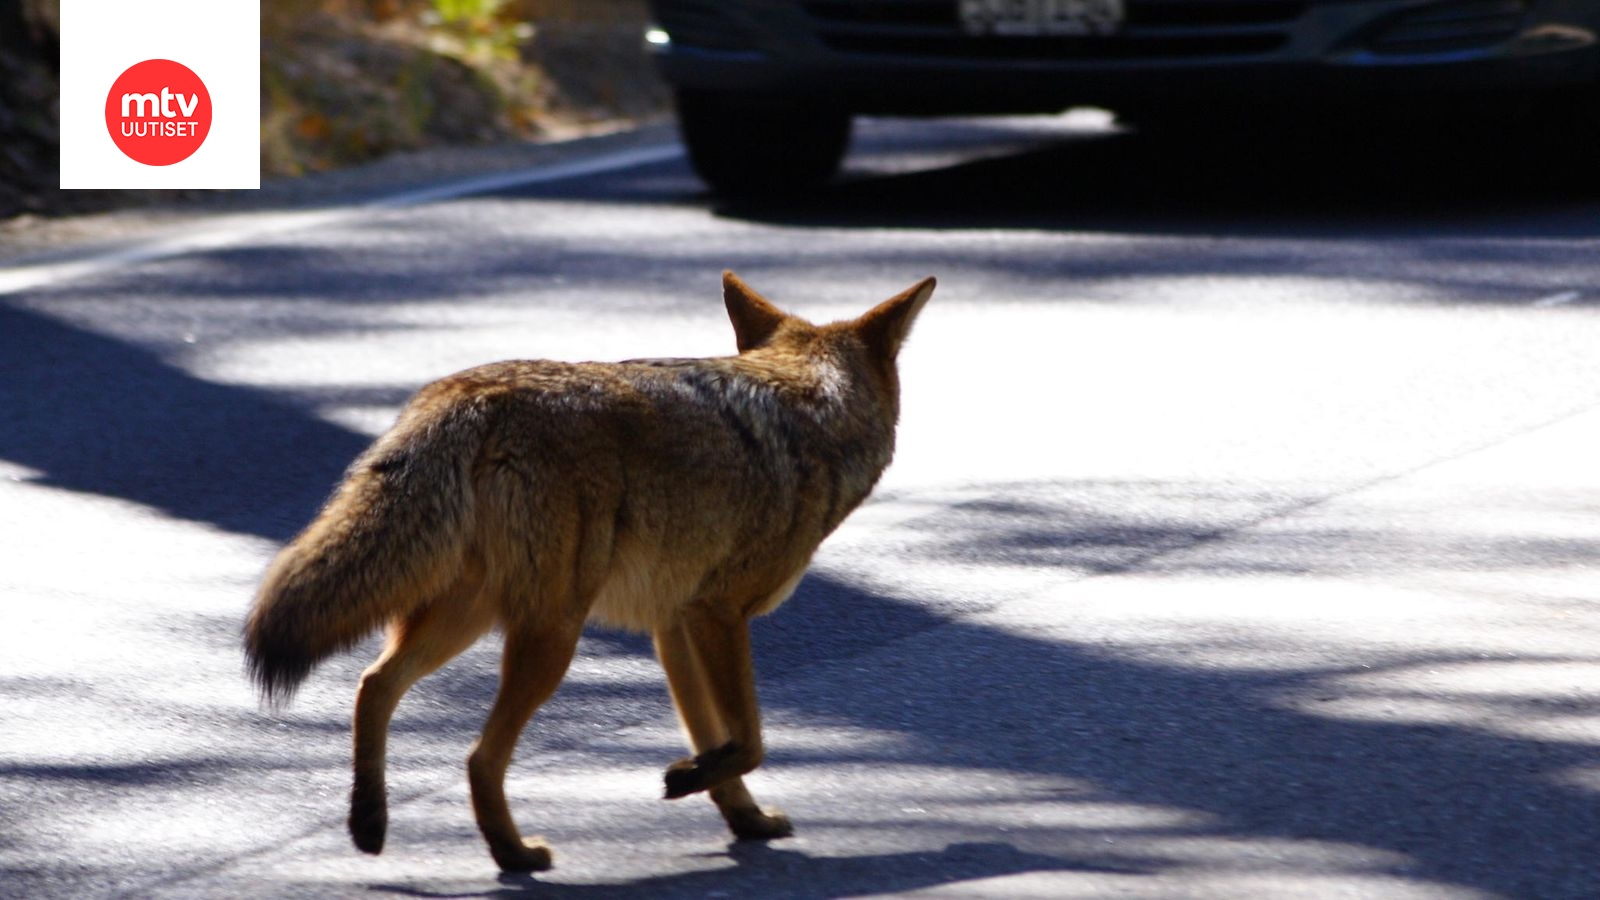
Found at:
[709, 769]
[753, 824]
[369, 820]
[528, 855]
[683, 778]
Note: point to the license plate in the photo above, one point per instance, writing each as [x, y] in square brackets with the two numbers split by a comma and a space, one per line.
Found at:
[1032, 18]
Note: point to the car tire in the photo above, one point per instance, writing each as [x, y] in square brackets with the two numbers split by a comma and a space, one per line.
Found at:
[757, 146]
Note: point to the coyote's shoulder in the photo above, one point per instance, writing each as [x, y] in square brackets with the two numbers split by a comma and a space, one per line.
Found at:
[679, 497]
[686, 477]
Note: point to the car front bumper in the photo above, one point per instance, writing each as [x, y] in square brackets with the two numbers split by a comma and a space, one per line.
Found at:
[912, 56]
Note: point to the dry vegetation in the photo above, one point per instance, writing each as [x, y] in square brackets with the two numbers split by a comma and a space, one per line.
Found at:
[347, 81]
[28, 116]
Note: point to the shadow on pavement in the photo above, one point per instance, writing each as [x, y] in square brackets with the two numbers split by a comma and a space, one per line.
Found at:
[1456, 806]
[1445, 804]
[1226, 759]
[102, 416]
[1459, 806]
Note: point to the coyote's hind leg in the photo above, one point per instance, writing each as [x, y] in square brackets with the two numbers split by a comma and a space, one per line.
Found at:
[536, 657]
[417, 646]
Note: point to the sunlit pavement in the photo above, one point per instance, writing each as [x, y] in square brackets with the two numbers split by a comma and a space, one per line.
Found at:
[1235, 547]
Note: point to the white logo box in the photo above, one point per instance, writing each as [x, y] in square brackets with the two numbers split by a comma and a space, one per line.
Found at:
[219, 39]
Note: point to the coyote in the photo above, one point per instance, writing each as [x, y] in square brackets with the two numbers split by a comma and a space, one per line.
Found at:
[678, 497]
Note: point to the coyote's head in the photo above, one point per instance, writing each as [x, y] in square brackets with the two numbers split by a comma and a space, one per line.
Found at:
[870, 341]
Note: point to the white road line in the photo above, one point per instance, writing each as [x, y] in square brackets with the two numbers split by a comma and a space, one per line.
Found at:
[1558, 299]
[225, 231]
[578, 168]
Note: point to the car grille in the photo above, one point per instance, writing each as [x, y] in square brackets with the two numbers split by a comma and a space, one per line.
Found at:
[1445, 27]
[1154, 29]
[702, 23]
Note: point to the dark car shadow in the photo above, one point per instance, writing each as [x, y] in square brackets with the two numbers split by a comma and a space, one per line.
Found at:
[1320, 172]
[1268, 180]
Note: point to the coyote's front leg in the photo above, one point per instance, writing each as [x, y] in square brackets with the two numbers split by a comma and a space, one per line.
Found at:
[712, 679]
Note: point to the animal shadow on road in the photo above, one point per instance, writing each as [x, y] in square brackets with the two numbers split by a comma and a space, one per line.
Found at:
[1216, 765]
[761, 870]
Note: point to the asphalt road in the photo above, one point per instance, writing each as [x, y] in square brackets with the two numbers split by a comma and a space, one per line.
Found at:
[1240, 541]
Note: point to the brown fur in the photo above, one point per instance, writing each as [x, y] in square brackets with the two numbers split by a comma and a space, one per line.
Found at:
[679, 498]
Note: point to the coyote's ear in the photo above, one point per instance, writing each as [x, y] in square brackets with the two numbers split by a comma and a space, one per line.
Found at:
[885, 326]
[754, 319]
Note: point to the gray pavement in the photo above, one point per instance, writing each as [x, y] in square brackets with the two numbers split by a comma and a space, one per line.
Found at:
[1240, 543]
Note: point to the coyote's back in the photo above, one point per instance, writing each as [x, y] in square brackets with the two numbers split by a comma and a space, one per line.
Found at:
[678, 497]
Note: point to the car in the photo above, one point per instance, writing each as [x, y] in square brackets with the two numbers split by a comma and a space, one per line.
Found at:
[766, 89]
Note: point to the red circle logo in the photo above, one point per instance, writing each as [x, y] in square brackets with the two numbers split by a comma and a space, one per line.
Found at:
[158, 112]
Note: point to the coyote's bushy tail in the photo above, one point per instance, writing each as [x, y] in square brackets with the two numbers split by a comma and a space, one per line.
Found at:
[392, 536]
